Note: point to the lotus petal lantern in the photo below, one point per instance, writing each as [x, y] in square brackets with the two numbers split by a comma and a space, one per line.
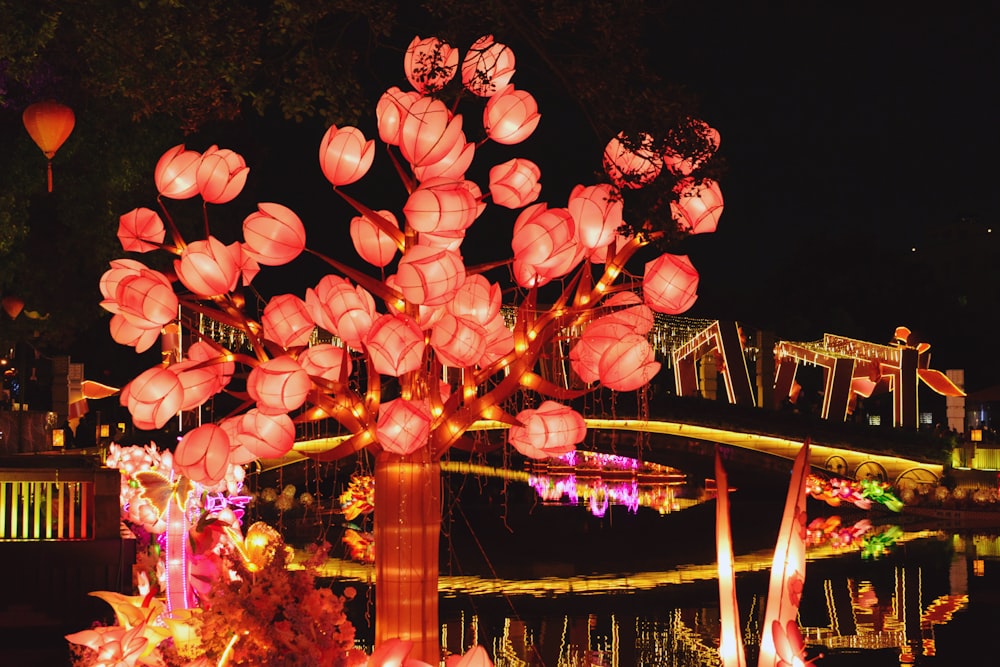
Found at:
[390, 111]
[221, 175]
[429, 276]
[597, 212]
[440, 205]
[265, 436]
[545, 245]
[274, 235]
[403, 425]
[670, 284]
[325, 361]
[628, 364]
[176, 173]
[511, 116]
[153, 398]
[278, 385]
[341, 308]
[286, 321]
[429, 64]
[632, 164]
[344, 155]
[395, 344]
[208, 268]
[374, 245]
[551, 430]
[488, 67]
[203, 454]
[140, 230]
[514, 184]
[699, 206]
[429, 132]
[199, 381]
[458, 341]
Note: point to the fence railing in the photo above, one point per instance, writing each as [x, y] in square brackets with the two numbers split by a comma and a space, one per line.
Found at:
[53, 504]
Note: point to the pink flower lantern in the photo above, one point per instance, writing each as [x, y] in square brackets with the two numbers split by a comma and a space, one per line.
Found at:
[204, 351]
[545, 245]
[342, 309]
[683, 165]
[429, 276]
[429, 64]
[124, 332]
[114, 644]
[395, 344]
[274, 235]
[176, 173]
[140, 230]
[514, 183]
[265, 436]
[585, 355]
[286, 321]
[326, 361]
[153, 398]
[488, 67]
[511, 116]
[208, 268]
[597, 212]
[203, 454]
[392, 107]
[452, 166]
[551, 430]
[699, 207]
[221, 175]
[146, 299]
[120, 268]
[631, 166]
[373, 245]
[200, 382]
[459, 342]
[630, 311]
[429, 132]
[477, 299]
[278, 385]
[403, 425]
[628, 364]
[344, 155]
[670, 284]
[440, 205]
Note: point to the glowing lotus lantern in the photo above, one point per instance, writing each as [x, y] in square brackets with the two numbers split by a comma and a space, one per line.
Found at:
[488, 67]
[499, 340]
[124, 332]
[223, 368]
[176, 173]
[597, 212]
[113, 644]
[145, 298]
[545, 245]
[266, 436]
[286, 321]
[628, 364]
[550, 430]
[682, 160]
[452, 165]
[209, 268]
[274, 235]
[429, 64]
[200, 382]
[395, 344]
[429, 132]
[477, 299]
[342, 309]
[403, 425]
[49, 124]
[153, 398]
[670, 284]
[344, 155]
[632, 164]
[221, 175]
[203, 454]
[374, 245]
[511, 116]
[630, 311]
[278, 385]
[326, 361]
[585, 356]
[459, 342]
[429, 276]
[140, 230]
[440, 205]
[514, 183]
[392, 107]
[699, 207]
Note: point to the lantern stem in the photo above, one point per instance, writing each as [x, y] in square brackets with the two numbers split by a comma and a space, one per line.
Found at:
[49, 169]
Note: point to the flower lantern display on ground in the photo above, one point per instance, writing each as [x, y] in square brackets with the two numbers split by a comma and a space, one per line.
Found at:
[415, 316]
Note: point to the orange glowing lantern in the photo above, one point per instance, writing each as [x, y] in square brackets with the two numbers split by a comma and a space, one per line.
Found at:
[459, 342]
[325, 361]
[670, 284]
[403, 425]
[597, 212]
[209, 268]
[12, 305]
[551, 430]
[344, 155]
[440, 205]
[204, 351]
[452, 166]
[511, 116]
[153, 398]
[429, 132]
[488, 67]
[203, 454]
[683, 161]
[630, 311]
[146, 299]
[278, 385]
[545, 245]
[221, 175]
[265, 436]
[632, 164]
[429, 276]
[374, 245]
[699, 207]
[341, 308]
[49, 124]
[628, 364]
[140, 230]
[429, 64]
[390, 111]
[395, 344]
[124, 332]
[274, 235]
[514, 183]
[286, 321]
[476, 299]
[199, 382]
[176, 173]
[585, 355]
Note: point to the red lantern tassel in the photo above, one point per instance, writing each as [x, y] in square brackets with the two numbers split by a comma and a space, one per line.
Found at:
[49, 169]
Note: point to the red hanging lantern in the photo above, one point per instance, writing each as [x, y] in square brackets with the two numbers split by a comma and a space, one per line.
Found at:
[429, 132]
[274, 235]
[440, 205]
[344, 155]
[209, 268]
[429, 64]
[632, 166]
[403, 425]
[597, 212]
[286, 321]
[429, 276]
[176, 173]
[153, 398]
[140, 230]
[511, 116]
[374, 245]
[395, 344]
[488, 67]
[514, 184]
[325, 361]
[699, 207]
[343, 309]
[670, 284]
[49, 124]
[278, 385]
[202, 455]
[551, 430]
[221, 175]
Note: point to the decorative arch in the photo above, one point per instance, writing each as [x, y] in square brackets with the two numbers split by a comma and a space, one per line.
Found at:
[871, 470]
[916, 477]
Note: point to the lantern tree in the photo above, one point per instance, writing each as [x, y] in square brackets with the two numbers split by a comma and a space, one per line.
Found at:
[423, 352]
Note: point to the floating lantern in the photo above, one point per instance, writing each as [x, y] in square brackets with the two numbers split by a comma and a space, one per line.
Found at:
[390, 110]
[286, 321]
[670, 284]
[278, 385]
[597, 212]
[429, 132]
[459, 342]
[203, 454]
[49, 124]
[514, 184]
[374, 245]
[551, 430]
[153, 398]
[209, 268]
[699, 206]
[429, 64]
[511, 116]
[140, 230]
[176, 173]
[440, 205]
[325, 361]
[403, 425]
[395, 344]
[274, 235]
[488, 67]
[341, 308]
[429, 276]
[221, 175]
[632, 166]
[344, 155]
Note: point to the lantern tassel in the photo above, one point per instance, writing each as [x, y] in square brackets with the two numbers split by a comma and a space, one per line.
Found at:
[49, 170]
